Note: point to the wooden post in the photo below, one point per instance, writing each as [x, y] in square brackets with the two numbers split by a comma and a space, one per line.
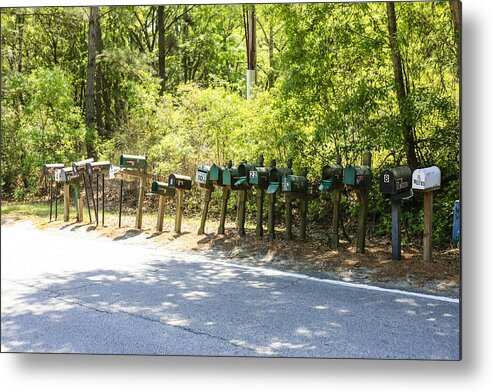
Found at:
[160, 214]
[138, 218]
[238, 208]
[66, 202]
[336, 206]
[289, 216]
[396, 229]
[79, 207]
[224, 207]
[242, 211]
[205, 209]
[102, 198]
[363, 208]
[260, 206]
[428, 225]
[97, 197]
[272, 216]
[179, 205]
[303, 216]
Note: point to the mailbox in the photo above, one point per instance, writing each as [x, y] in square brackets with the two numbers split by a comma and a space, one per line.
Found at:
[216, 174]
[202, 176]
[427, 178]
[358, 176]
[65, 174]
[98, 167]
[331, 178]
[81, 166]
[275, 177]
[396, 182]
[291, 183]
[243, 171]
[258, 177]
[179, 181]
[133, 162]
[49, 169]
[163, 189]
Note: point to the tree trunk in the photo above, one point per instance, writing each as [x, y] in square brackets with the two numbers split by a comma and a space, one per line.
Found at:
[456, 9]
[250, 40]
[161, 48]
[404, 110]
[99, 77]
[91, 72]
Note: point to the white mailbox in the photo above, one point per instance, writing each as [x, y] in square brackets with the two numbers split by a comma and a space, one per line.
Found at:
[426, 178]
[65, 174]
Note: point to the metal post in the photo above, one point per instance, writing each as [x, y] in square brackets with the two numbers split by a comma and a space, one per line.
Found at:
[66, 201]
[396, 230]
[56, 200]
[224, 207]
[51, 197]
[97, 196]
[87, 197]
[205, 209]
[260, 207]
[102, 197]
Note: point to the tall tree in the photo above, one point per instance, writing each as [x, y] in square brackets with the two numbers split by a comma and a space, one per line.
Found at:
[401, 89]
[251, 46]
[90, 81]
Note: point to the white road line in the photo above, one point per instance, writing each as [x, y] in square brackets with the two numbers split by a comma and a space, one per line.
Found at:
[329, 281]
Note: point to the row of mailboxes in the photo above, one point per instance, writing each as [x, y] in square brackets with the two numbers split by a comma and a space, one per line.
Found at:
[399, 182]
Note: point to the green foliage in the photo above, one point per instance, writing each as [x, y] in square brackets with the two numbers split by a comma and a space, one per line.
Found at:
[325, 86]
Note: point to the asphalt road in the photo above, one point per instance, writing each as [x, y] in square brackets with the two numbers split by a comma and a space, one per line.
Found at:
[63, 292]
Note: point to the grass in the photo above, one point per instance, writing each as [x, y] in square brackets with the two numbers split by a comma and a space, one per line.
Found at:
[30, 209]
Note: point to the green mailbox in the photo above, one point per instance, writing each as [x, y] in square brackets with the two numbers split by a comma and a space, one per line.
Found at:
[292, 183]
[275, 176]
[358, 176]
[163, 189]
[258, 177]
[133, 162]
[331, 178]
[216, 174]
[203, 178]
[242, 173]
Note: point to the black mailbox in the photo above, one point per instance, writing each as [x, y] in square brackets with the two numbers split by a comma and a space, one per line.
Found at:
[358, 176]
[98, 167]
[81, 166]
[276, 174]
[331, 178]
[179, 181]
[242, 173]
[49, 169]
[162, 189]
[292, 183]
[396, 182]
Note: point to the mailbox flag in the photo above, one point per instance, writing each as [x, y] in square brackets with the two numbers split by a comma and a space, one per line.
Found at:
[273, 187]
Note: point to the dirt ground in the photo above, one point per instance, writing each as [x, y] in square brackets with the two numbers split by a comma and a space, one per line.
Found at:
[312, 256]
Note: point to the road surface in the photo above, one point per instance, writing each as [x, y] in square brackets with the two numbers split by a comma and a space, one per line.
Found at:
[67, 292]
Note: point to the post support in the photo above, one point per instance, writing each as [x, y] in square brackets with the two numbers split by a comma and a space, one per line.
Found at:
[428, 225]
[303, 217]
[224, 207]
[138, 218]
[160, 214]
[396, 229]
[102, 198]
[51, 197]
[241, 211]
[179, 205]
[336, 207]
[272, 216]
[260, 206]
[205, 210]
[87, 197]
[363, 208]
[66, 202]
[289, 216]
[56, 200]
[121, 201]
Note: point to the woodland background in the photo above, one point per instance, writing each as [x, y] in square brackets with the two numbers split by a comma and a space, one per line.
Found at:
[169, 82]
